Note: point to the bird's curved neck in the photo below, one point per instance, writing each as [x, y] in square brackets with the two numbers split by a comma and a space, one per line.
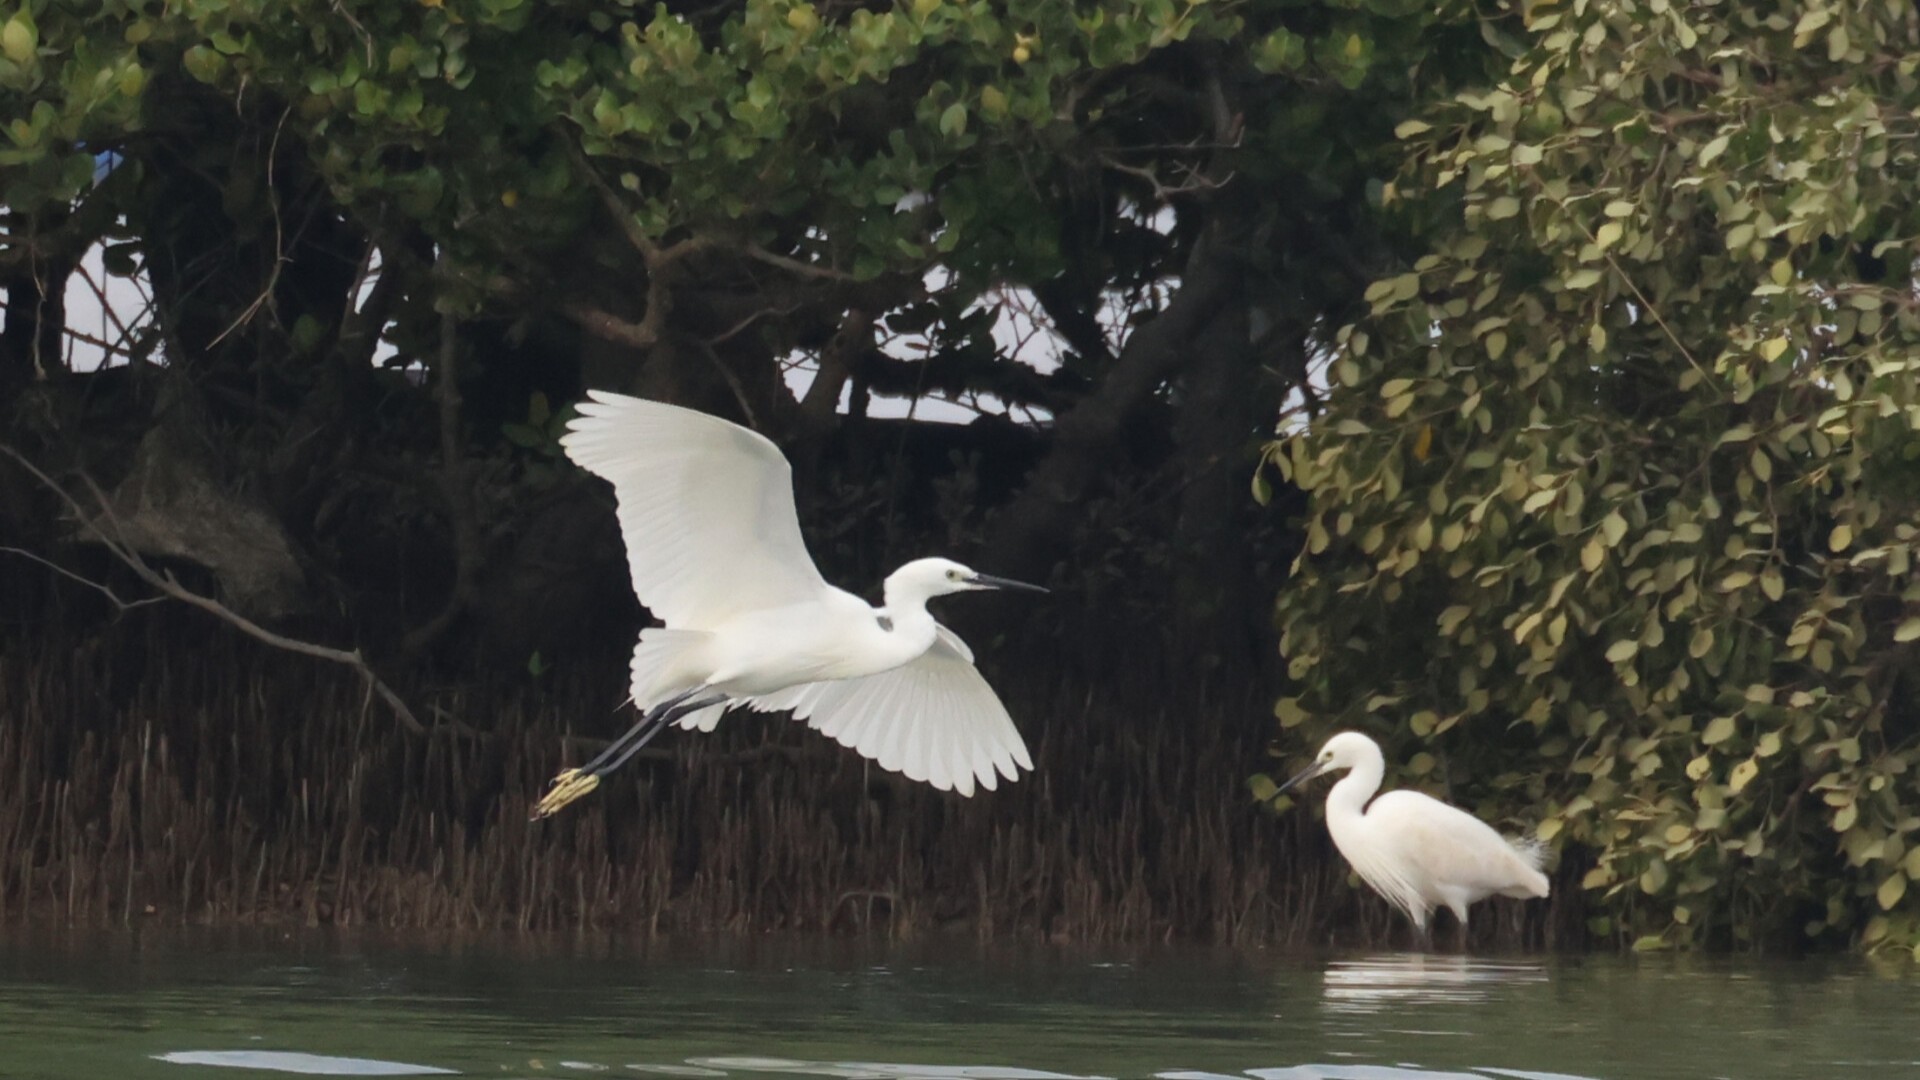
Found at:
[1354, 790]
[909, 625]
[903, 601]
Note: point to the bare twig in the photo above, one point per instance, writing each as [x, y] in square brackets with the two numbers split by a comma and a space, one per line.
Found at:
[733, 383]
[123, 605]
[804, 269]
[88, 339]
[165, 583]
[112, 314]
[1197, 179]
[279, 241]
[737, 328]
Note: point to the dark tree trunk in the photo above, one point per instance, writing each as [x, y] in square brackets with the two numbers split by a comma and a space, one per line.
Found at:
[1035, 527]
[1223, 400]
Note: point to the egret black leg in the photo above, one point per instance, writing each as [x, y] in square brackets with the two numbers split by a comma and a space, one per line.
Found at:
[649, 725]
[679, 710]
[573, 783]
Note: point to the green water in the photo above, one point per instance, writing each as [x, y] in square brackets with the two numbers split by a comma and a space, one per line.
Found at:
[174, 1007]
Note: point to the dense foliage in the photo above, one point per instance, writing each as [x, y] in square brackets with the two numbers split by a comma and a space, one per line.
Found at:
[1614, 502]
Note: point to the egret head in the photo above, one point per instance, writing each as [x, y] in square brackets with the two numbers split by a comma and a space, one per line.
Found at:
[924, 578]
[1343, 751]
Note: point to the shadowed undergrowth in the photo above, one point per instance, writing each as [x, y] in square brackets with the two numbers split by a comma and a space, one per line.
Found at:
[151, 775]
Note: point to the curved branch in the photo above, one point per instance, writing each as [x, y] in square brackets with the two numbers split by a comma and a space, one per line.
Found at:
[167, 585]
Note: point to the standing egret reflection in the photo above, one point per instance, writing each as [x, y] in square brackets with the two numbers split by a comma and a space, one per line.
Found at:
[713, 542]
[1414, 850]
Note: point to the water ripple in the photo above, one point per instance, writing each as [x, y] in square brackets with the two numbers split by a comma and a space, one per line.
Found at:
[1376, 984]
[294, 1062]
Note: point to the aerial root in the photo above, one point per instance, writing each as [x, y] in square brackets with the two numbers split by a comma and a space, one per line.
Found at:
[571, 784]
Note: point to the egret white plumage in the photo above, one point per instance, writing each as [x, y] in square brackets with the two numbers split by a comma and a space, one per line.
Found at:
[1414, 850]
[713, 543]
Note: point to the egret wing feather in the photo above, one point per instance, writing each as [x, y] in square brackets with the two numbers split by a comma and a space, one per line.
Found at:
[705, 506]
[1447, 844]
[934, 718]
[1386, 875]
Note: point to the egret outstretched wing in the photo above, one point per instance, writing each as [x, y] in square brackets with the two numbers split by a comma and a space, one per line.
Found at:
[933, 718]
[705, 506]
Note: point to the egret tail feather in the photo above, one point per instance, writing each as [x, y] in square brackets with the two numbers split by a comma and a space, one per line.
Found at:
[656, 660]
[1532, 850]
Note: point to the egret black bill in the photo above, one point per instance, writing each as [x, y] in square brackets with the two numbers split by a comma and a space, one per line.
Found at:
[988, 581]
[1302, 776]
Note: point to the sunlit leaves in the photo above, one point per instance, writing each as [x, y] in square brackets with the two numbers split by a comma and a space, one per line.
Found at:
[19, 38]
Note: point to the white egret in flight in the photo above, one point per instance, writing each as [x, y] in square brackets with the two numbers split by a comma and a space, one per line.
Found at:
[1414, 850]
[713, 542]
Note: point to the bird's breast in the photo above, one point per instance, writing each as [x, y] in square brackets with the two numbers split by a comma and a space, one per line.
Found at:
[771, 650]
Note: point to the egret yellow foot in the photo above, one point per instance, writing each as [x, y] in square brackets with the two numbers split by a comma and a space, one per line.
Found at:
[568, 786]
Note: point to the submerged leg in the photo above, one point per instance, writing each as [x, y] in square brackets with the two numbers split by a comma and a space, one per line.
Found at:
[1422, 932]
[571, 784]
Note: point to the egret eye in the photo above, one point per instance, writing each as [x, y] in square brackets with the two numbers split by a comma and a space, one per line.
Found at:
[953, 575]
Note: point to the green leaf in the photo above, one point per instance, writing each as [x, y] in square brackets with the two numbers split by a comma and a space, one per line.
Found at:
[1719, 730]
[20, 38]
[1614, 528]
[953, 120]
[1741, 775]
[204, 63]
[1891, 890]
[1288, 711]
[1702, 642]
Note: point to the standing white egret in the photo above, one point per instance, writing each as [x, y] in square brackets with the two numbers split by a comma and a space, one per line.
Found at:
[713, 542]
[1414, 850]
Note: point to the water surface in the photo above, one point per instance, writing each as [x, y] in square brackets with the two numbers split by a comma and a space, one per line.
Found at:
[184, 1007]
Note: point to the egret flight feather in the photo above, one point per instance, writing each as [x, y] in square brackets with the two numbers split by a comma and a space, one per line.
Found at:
[713, 543]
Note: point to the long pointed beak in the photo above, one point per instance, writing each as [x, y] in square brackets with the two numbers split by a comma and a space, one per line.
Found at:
[1302, 776]
[988, 581]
